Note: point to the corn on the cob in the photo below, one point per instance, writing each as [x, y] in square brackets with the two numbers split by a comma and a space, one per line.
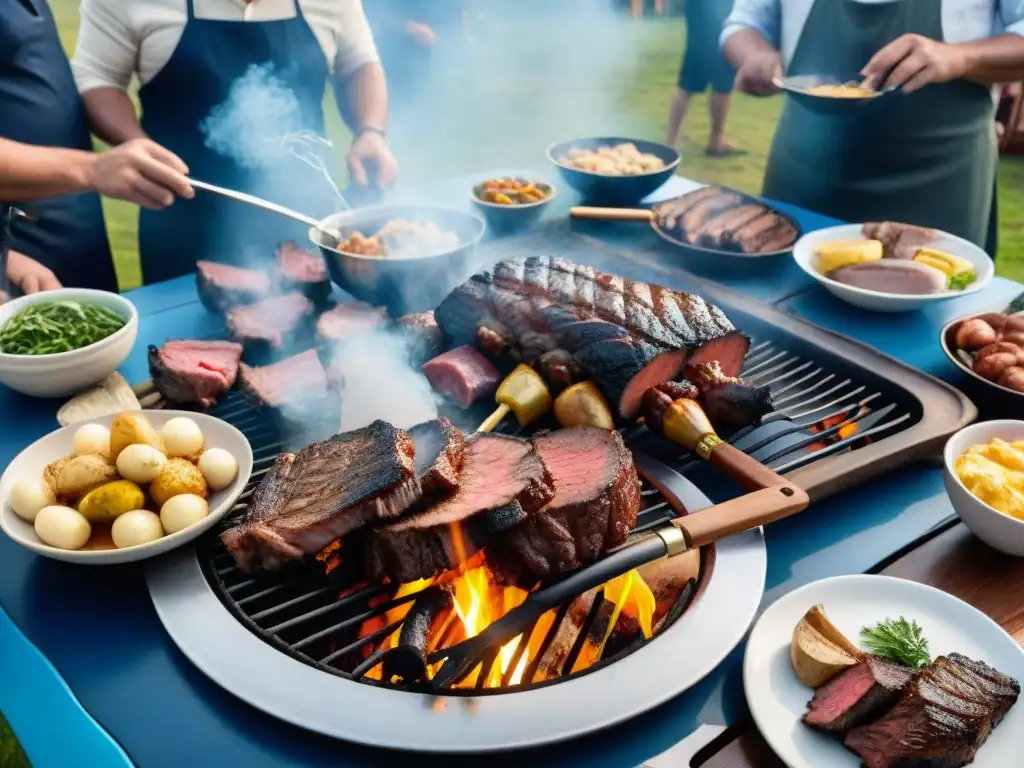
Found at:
[832, 256]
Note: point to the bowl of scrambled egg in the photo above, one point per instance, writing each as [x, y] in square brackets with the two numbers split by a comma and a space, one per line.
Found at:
[985, 482]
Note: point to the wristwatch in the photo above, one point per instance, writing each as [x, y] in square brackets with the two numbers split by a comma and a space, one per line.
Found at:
[371, 129]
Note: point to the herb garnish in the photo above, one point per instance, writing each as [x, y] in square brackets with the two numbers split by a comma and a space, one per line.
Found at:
[50, 327]
[899, 640]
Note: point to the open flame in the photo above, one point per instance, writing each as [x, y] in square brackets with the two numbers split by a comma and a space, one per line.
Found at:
[844, 432]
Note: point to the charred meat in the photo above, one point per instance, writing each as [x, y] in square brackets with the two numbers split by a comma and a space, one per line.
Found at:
[503, 480]
[596, 501]
[423, 336]
[323, 492]
[857, 695]
[899, 241]
[273, 322]
[296, 269]
[626, 336]
[462, 374]
[440, 451]
[296, 391]
[348, 318]
[194, 372]
[223, 287]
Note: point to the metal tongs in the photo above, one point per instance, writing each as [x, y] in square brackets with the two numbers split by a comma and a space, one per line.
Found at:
[772, 498]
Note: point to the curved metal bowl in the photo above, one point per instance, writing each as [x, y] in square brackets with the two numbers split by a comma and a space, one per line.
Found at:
[605, 189]
[991, 388]
[402, 285]
[797, 85]
[506, 219]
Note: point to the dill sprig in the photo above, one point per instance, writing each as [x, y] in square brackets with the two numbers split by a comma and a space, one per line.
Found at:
[899, 640]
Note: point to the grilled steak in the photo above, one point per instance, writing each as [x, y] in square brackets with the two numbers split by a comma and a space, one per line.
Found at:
[296, 269]
[596, 501]
[942, 719]
[502, 481]
[856, 695]
[899, 241]
[768, 232]
[347, 318]
[717, 231]
[462, 374]
[626, 336]
[194, 372]
[440, 452]
[423, 336]
[670, 212]
[222, 287]
[323, 492]
[694, 220]
[297, 393]
[272, 322]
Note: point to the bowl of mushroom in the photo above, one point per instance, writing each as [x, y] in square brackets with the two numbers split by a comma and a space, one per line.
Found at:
[124, 488]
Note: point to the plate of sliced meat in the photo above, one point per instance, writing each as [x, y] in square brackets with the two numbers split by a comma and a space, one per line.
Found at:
[897, 673]
[892, 267]
[711, 220]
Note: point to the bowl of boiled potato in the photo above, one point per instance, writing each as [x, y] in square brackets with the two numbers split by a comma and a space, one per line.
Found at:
[123, 488]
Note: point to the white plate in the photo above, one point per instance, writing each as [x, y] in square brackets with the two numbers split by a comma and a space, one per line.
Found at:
[803, 254]
[778, 699]
[32, 461]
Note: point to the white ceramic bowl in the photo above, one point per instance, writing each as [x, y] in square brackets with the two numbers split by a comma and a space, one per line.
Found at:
[999, 531]
[65, 373]
[32, 461]
[803, 253]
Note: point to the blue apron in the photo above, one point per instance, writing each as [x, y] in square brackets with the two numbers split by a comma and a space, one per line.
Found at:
[39, 104]
[210, 57]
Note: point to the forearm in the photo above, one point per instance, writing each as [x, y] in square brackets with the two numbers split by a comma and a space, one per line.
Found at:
[363, 98]
[745, 44]
[29, 173]
[112, 115]
[995, 60]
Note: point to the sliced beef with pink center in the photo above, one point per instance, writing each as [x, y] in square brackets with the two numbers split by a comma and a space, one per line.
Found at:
[194, 372]
[463, 374]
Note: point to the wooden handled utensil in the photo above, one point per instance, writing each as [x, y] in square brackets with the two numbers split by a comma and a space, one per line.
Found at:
[524, 393]
[611, 214]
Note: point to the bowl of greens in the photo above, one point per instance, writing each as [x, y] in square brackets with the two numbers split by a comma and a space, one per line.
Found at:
[56, 343]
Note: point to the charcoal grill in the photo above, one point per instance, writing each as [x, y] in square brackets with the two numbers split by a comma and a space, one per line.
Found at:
[280, 642]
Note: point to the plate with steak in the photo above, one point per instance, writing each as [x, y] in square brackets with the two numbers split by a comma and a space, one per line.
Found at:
[949, 702]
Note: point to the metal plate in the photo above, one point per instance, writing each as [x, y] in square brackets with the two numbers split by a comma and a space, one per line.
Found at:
[676, 659]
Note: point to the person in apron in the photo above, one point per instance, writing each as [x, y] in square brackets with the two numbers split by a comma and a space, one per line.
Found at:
[926, 156]
[209, 58]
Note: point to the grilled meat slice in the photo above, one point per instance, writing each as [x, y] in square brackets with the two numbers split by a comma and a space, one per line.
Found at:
[194, 372]
[729, 401]
[462, 374]
[718, 229]
[856, 695]
[272, 322]
[670, 212]
[347, 318]
[440, 452]
[296, 269]
[780, 238]
[694, 220]
[222, 287]
[624, 335]
[323, 492]
[423, 336]
[502, 481]
[768, 229]
[1003, 688]
[899, 241]
[596, 501]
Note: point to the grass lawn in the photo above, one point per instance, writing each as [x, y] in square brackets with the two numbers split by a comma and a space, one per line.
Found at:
[565, 82]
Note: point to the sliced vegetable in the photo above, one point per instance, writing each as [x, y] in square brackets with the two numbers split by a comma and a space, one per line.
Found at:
[959, 271]
[845, 252]
[815, 656]
[51, 327]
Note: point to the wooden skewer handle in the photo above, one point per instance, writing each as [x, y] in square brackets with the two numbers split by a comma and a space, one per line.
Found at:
[742, 514]
[611, 214]
[744, 469]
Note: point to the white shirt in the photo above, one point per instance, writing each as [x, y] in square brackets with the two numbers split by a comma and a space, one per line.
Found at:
[781, 22]
[119, 38]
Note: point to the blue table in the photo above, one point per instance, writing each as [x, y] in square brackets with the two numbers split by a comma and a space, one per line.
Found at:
[101, 634]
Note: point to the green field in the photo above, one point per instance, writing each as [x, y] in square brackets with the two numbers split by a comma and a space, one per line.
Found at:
[556, 83]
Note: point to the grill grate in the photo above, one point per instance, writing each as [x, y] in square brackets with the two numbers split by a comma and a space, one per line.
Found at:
[820, 412]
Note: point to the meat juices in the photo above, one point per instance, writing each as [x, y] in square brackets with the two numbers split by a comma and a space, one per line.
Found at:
[462, 374]
[626, 336]
[502, 481]
[222, 287]
[323, 492]
[271, 321]
[595, 504]
[194, 372]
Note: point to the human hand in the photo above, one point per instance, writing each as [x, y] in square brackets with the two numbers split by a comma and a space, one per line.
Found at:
[29, 275]
[913, 61]
[757, 73]
[370, 148]
[142, 172]
[420, 33]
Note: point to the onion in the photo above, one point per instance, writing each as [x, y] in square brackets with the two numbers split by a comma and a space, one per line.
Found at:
[219, 468]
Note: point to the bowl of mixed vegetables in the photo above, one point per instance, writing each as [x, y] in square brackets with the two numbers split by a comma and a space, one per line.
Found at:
[510, 203]
[56, 343]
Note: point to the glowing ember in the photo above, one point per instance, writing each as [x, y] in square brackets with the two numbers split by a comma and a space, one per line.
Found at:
[844, 432]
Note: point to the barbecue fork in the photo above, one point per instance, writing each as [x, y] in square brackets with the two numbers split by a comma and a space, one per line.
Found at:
[773, 499]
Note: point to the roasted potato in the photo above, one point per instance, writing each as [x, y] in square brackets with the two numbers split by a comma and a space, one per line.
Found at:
[133, 429]
[84, 473]
[52, 471]
[177, 477]
[109, 501]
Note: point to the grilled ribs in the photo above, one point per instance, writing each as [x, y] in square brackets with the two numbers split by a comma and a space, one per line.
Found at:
[626, 336]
